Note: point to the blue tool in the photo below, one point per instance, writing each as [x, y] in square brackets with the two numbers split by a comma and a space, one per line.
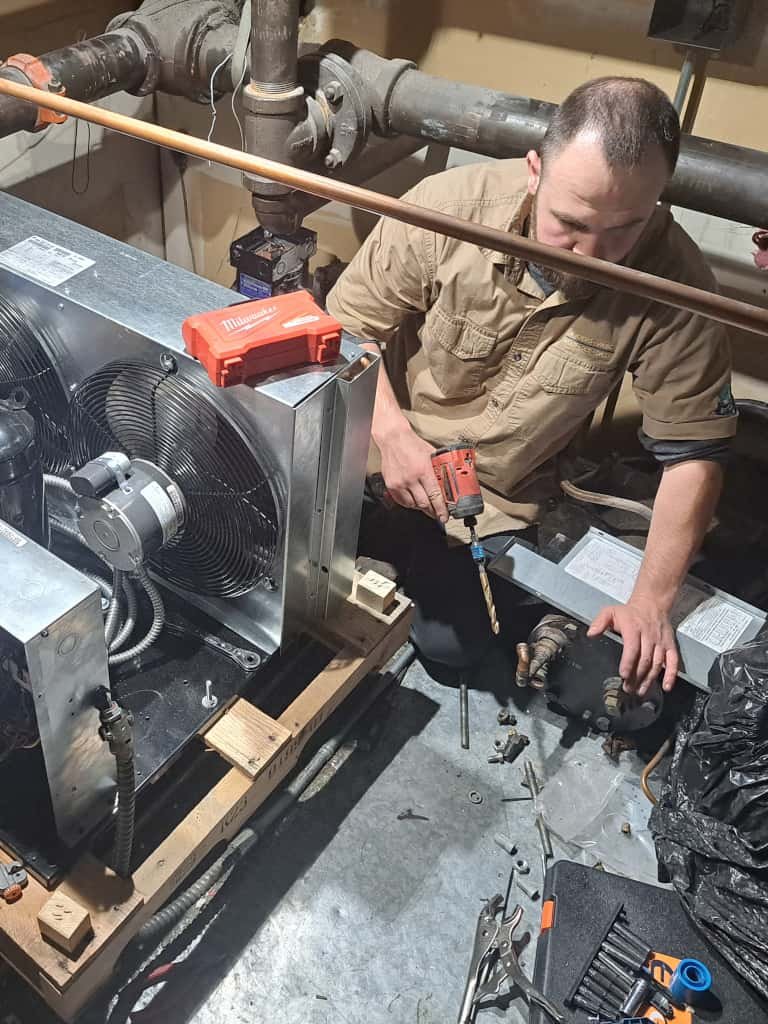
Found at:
[690, 982]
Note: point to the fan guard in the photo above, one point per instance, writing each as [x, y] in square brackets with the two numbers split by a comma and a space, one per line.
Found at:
[24, 362]
[230, 534]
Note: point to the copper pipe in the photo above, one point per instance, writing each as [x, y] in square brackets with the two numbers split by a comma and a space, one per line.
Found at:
[610, 275]
[651, 767]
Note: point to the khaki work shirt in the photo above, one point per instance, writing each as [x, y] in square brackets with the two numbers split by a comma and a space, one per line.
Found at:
[476, 353]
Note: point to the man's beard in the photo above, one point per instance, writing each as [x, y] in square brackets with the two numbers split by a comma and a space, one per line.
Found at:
[570, 287]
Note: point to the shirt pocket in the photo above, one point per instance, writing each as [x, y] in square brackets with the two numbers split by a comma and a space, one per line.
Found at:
[457, 350]
[569, 368]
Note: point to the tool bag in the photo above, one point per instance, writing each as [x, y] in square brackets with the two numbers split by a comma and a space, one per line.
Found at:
[711, 823]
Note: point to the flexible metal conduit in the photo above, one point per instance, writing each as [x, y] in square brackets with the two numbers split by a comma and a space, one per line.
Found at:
[672, 293]
[277, 808]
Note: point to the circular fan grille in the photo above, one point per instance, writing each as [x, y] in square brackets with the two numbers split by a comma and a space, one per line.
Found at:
[24, 362]
[230, 533]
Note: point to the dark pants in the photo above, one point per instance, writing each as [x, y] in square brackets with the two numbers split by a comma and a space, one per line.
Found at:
[450, 626]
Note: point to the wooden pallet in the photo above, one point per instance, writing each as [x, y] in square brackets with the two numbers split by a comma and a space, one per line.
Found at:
[37, 932]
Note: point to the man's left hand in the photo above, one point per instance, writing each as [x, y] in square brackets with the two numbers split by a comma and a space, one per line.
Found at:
[649, 643]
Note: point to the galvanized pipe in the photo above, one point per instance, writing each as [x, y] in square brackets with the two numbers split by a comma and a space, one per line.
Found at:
[672, 293]
[274, 44]
[91, 70]
[711, 177]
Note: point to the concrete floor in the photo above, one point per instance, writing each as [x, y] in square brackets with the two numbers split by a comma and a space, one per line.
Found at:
[352, 913]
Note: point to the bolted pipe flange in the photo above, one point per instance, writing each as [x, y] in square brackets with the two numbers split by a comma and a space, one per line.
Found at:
[343, 102]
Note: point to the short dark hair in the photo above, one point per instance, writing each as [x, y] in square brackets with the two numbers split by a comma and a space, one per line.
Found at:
[629, 114]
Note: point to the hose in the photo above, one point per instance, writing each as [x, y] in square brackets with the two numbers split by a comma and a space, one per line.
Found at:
[69, 531]
[104, 585]
[608, 500]
[130, 616]
[259, 823]
[651, 767]
[158, 621]
[112, 620]
[58, 483]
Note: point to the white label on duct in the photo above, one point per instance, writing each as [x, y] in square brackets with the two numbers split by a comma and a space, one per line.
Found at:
[8, 533]
[606, 567]
[163, 507]
[716, 623]
[713, 621]
[44, 261]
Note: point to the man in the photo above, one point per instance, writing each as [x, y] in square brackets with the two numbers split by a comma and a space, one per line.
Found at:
[513, 358]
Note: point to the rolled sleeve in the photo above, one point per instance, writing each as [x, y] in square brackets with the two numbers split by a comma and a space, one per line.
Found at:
[389, 278]
[682, 380]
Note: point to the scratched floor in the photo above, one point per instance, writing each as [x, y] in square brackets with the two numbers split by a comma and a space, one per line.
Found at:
[361, 907]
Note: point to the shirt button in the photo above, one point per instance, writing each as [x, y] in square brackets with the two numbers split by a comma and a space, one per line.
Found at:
[517, 356]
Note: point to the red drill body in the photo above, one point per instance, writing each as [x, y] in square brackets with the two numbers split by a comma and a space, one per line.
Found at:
[455, 470]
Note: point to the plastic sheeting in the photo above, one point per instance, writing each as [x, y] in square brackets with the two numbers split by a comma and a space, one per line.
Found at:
[711, 823]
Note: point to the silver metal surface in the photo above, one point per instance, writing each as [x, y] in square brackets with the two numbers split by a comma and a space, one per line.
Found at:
[549, 581]
[54, 613]
[308, 427]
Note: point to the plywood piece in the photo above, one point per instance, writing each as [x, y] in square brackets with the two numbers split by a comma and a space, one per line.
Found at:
[374, 592]
[65, 923]
[247, 738]
[358, 627]
[110, 901]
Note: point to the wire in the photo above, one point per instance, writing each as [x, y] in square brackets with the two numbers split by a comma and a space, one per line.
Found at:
[185, 200]
[235, 91]
[27, 149]
[215, 71]
[81, 191]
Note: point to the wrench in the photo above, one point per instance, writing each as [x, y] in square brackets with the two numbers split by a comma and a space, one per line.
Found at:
[508, 969]
[247, 660]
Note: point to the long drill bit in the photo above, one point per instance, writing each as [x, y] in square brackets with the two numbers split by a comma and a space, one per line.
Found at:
[478, 554]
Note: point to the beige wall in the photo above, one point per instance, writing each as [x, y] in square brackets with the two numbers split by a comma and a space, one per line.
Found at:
[123, 194]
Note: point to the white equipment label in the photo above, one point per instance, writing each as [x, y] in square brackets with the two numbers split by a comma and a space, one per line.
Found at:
[607, 568]
[8, 533]
[715, 623]
[712, 621]
[44, 261]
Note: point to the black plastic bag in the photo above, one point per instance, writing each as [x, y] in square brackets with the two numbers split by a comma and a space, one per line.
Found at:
[711, 823]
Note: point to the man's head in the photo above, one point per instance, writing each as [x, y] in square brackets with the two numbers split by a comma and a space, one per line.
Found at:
[607, 155]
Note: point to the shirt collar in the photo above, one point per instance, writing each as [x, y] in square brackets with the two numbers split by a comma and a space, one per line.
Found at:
[512, 214]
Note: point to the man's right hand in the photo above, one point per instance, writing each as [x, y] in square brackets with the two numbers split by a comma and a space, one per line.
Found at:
[406, 465]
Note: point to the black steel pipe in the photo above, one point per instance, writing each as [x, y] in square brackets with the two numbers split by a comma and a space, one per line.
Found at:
[274, 44]
[711, 177]
[87, 71]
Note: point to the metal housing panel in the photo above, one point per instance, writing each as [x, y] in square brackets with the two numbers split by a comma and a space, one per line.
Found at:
[131, 304]
[550, 581]
[54, 612]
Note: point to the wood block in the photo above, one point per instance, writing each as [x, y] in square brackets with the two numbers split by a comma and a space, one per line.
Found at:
[374, 591]
[65, 923]
[247, 738]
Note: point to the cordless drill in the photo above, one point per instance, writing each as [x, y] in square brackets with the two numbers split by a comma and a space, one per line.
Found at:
[454, 468]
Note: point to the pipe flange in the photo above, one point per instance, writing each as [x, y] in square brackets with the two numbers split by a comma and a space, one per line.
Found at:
[152, 62]
[341, 94]
[382, 87]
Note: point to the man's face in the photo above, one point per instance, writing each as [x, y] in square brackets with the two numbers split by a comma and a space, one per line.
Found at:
[583, 205]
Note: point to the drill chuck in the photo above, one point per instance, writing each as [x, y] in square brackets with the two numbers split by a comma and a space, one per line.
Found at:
[478, 551]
